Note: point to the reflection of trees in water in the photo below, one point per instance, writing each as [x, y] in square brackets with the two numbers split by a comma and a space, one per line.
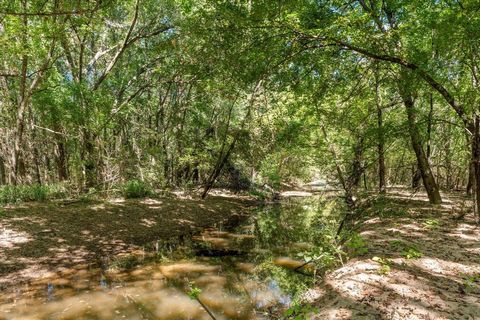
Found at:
[297, 220]
[296, 229]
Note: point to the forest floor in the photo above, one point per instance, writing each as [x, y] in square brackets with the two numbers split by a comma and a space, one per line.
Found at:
[38, 240]
[421, 263]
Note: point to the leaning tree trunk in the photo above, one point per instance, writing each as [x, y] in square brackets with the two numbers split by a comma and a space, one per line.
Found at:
[422, 161]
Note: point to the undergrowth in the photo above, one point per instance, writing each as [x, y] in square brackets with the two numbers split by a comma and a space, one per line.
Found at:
[15, 194]
[136, 189]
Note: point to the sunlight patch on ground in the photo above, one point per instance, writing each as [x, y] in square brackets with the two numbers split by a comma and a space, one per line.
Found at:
[151, 201]
[443, 267]
[287, 194]
[9, 238]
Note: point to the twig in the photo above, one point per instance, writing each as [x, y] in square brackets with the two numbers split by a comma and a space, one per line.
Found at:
[206, 309]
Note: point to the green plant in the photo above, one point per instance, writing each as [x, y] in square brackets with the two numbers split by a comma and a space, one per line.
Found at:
[194, 292]
[136, 189]
[431, 223]
[318, 256]
[470, 282]
[260, 195]
[384, 265]
[35, 192]
[38, 193]
[411, 253]
[299, 312]
[357, 244]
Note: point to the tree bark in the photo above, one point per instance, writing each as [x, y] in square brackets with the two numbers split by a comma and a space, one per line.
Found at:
[422, 161]
[416, 177]
[62, 161]
[22, 105]
[90, 164]
[381, 138]
[3, 175]
[476, 166]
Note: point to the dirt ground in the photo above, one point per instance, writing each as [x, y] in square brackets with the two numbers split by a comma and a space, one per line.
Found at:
[421, 263]
[38, 239]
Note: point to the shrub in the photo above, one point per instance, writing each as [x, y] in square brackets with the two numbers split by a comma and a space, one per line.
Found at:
[136, 189]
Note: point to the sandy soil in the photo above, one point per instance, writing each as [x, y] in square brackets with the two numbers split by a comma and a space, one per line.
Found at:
[38, 239]
[441, 281]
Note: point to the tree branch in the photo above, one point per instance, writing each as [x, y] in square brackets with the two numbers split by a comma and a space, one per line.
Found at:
[120, 51]
[459, 109]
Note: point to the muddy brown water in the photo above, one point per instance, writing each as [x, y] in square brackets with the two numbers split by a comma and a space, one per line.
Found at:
[243, 270]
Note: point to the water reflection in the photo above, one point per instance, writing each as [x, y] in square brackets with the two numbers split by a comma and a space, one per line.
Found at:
[245, 270]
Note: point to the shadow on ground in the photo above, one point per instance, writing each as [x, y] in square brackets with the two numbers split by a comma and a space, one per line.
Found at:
[422, 263]
[39, 239]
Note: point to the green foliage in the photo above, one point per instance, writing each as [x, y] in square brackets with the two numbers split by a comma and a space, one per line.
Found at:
[471, 283]
[136, 189]
[357, 245]
[411, 253]
[320, 257]
[299, 312]
[259, 194]
[381, 207]
[397, 244]
[385, 265]
[194, 292]
[16, 194]
[431, 223]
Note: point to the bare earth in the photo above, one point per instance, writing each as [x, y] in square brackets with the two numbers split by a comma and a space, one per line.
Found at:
[441, 280]
[444, 283]
[38, 240]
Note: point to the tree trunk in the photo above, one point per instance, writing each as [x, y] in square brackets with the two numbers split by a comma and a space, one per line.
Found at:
[476, 165]
[381, 139]
[3, 175]
[422, 161]
[18, 165]
[471, 177]
[416, 177]
[429, 128]
[89, 162]
[62, 161]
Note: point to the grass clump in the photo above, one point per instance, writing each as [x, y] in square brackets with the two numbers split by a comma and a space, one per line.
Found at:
[15, 194]
[136, 189]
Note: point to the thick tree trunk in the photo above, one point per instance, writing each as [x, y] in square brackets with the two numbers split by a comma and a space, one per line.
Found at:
[422, 161]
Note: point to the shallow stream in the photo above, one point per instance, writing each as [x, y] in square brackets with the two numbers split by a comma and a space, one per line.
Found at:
[248, 269]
